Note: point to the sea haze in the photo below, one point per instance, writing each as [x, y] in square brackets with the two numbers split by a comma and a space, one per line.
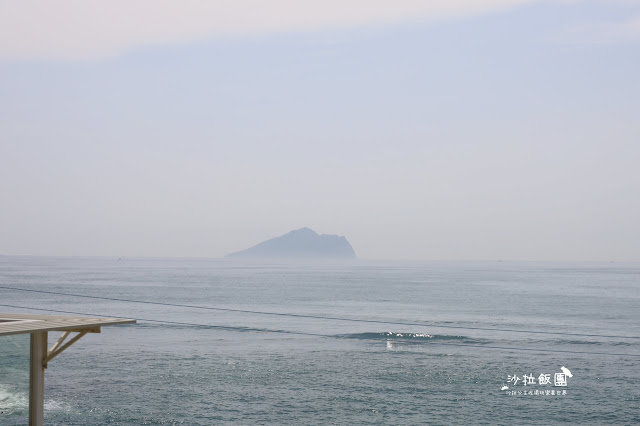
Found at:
[347, 343]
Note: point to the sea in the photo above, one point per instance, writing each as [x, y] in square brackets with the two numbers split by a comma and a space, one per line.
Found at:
[362, 342]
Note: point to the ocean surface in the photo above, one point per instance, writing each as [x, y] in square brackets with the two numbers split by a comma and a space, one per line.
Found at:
[347, 343]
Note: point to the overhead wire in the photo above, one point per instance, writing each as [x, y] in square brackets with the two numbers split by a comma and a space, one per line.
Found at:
[210, 326]
[323, 317]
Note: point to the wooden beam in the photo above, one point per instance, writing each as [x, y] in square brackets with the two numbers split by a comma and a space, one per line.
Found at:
[59, 342]
[36, 378]
[86, 330]
[53, 354]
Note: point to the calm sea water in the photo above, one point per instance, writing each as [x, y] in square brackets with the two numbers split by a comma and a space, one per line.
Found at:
[359, 343]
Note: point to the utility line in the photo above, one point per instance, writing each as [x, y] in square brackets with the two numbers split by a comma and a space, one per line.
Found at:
[320, 316]
[264, 330]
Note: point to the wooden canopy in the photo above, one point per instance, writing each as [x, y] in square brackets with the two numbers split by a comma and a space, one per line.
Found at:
[27, 323]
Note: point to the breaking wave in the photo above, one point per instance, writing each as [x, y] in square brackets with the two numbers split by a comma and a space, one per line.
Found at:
[16, 403]
[12, 402]
[409, 337]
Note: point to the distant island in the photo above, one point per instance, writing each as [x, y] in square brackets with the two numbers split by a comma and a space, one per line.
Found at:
[303, 243]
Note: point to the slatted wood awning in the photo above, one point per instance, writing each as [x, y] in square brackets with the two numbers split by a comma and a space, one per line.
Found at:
[26, 323]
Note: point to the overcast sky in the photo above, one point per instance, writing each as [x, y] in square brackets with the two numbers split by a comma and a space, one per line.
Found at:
[443, 129]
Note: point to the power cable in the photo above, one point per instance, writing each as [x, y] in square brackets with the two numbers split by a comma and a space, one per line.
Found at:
[212, 308]
[328, 335]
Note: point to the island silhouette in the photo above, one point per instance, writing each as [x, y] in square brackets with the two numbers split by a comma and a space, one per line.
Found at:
[303, 243]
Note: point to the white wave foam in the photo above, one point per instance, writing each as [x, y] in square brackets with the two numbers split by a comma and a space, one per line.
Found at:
[13, 401]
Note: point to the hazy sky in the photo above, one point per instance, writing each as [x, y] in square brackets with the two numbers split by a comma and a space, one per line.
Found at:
[443, 129]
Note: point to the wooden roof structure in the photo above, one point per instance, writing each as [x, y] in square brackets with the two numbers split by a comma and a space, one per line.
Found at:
[24, 323]
[39, 326]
